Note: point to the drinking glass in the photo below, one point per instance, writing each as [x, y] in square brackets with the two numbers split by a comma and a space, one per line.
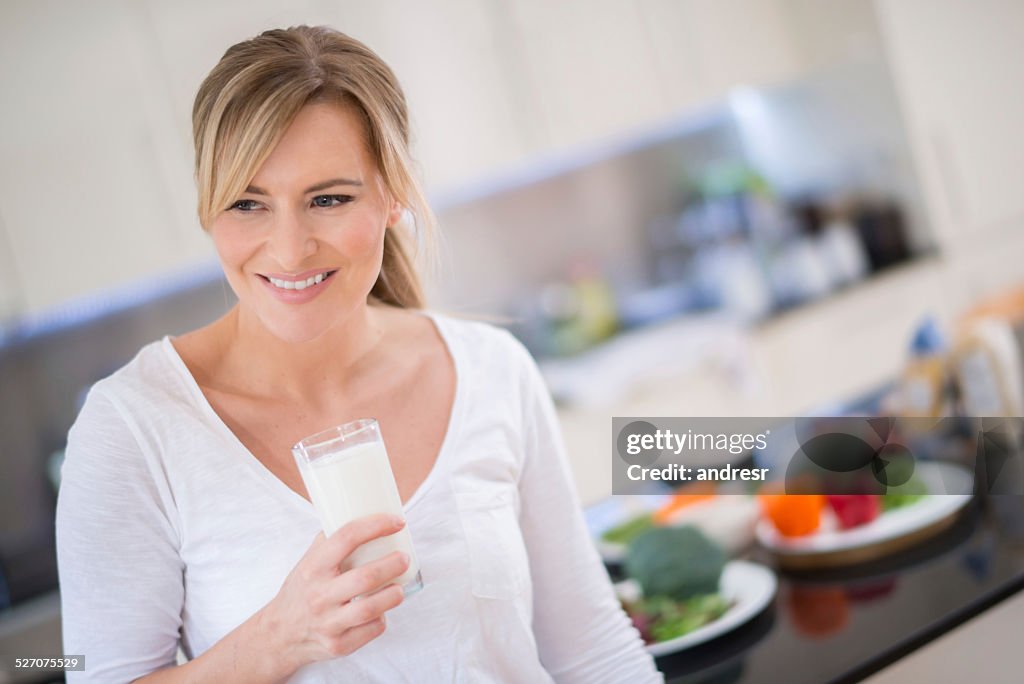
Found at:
[348, 476]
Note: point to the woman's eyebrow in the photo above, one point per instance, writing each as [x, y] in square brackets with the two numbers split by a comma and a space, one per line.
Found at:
[256, 190]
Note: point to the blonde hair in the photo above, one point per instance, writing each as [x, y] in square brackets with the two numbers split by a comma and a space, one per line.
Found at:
[247, 101]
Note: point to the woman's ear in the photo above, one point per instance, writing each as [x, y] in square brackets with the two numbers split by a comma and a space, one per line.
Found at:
[395, 215]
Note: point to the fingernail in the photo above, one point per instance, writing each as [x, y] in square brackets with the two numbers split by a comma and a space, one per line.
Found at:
[397, 520]
[404, 556]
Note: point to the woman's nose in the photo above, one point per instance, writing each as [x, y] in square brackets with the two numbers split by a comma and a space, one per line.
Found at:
[291, 241]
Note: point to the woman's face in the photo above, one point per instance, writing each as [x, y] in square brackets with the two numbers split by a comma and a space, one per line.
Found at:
[302, 246]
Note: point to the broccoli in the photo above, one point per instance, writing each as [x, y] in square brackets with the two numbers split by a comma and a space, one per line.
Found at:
[622, 534]
[678, 562]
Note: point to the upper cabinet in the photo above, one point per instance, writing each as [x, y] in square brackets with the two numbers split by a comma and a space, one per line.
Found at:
[958, 68]
[596, 69]
[589, 68]
[84, 191]
[708, 47]
[10, 289]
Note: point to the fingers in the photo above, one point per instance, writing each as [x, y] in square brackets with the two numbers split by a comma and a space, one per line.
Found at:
[355, 614]
[355, 638]
[352, 535]
[368, 578]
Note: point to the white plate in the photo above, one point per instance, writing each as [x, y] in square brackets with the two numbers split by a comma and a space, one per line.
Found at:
[750, 587]
[937, 477]
[727, 519]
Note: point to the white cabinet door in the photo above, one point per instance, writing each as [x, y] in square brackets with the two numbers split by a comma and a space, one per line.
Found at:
[682, 75]
[590, 66]
[704, 48]
[10, 279]
[741, 42]
[84, 197]
[603, 68]
[959, 70]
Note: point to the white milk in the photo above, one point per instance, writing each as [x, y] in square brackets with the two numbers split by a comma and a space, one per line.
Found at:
[354, 483]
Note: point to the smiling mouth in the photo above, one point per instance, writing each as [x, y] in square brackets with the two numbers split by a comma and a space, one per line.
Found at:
[298, 284]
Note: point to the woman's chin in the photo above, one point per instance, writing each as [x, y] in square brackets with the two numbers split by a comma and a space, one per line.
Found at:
[296, 328]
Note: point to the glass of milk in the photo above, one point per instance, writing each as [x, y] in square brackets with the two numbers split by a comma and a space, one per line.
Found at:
[348, 476]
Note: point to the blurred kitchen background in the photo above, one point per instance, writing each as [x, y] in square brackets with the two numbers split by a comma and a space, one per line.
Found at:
[691, 207]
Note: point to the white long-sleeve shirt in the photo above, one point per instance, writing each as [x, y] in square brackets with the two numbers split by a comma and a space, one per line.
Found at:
[170, 532]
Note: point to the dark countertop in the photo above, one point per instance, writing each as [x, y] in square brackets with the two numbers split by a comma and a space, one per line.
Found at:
[842, 625]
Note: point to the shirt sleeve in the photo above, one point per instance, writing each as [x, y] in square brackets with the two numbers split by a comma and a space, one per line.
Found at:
[582, 632]
[121, 577]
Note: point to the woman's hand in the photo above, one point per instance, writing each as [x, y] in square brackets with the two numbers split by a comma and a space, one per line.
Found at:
[313, 616]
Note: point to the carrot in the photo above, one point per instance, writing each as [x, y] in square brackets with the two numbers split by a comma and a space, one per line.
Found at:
[693, 494]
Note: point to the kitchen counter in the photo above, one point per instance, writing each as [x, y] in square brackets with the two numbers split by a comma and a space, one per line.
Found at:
[844, 625]
[988, 643]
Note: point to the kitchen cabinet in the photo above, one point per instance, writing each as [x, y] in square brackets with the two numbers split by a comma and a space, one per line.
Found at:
[828, 34]
[84, 195]
[705, 48]
[600, 70]
[589, 66]
[10, 287]
[958, 67]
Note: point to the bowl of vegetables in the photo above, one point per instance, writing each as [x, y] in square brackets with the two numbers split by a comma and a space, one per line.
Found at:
[807, 531]
[682, 590]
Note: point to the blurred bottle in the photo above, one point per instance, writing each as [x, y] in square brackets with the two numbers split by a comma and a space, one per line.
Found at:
[835, 240]
[842, 252]
[923, 389]
[732, 276]
[597, 316]
[883, 232]
[580, 312]
[987, 366]
[799, 273]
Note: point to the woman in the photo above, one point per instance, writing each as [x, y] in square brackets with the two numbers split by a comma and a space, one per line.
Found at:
[182, 519]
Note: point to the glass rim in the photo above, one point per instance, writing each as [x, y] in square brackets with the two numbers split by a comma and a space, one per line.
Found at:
[343, 432]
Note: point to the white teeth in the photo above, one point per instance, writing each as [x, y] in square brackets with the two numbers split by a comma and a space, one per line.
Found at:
[298, 285]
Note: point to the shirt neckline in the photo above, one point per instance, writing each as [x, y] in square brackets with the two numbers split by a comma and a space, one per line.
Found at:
[274, 483]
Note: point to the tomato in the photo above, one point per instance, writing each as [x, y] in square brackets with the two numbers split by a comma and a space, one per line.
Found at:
[853, 510]
[794, 515]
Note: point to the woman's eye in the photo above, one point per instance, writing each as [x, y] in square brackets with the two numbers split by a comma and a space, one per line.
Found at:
[325, 201]
[244, 205]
